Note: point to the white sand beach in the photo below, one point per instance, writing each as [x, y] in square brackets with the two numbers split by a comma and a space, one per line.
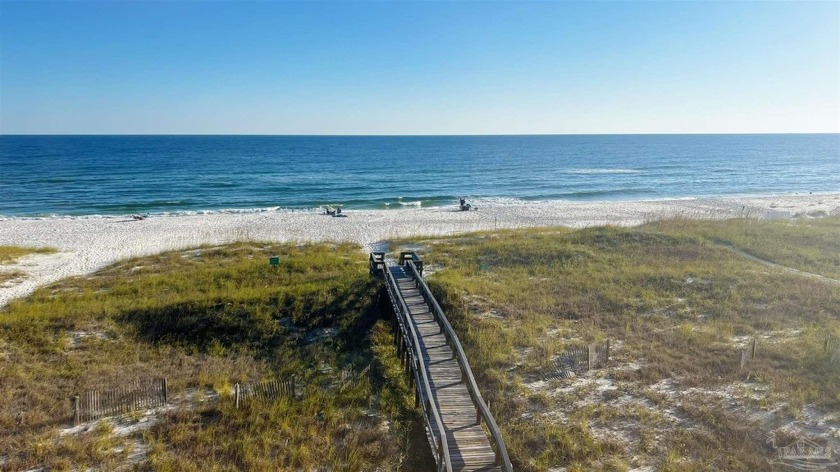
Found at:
[88, 244]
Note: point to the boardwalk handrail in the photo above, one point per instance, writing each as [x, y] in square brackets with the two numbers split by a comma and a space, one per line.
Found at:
[377, 263]
[482, 410]
[401, 311]
[412, 256]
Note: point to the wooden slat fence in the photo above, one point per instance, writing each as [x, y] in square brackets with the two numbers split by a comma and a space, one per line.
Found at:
[748, 353]
[263, 391]
[579, 360]
[131, 396]
[832, 348]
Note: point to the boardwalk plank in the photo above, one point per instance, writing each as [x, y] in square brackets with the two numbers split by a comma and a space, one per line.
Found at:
[469, 446]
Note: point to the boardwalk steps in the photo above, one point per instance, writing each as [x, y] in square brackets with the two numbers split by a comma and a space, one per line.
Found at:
[453, 409]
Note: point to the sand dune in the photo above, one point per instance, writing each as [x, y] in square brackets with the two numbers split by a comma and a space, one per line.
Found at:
[89, 244]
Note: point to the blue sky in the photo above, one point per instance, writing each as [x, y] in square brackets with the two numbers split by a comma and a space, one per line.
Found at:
[419, 68]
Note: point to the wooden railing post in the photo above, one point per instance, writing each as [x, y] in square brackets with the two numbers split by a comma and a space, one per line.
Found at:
[75, 402]
[165, 391]
[752, 349]
[236, 395]
[591, 357]
[607, 353]
[440, 453]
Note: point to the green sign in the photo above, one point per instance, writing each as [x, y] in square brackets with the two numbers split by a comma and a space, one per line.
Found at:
[275, 261]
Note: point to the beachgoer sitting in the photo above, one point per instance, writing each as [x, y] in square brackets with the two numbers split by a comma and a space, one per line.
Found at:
[464, 205]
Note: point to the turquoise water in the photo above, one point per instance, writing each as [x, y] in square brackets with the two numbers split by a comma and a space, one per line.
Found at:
[117, 175]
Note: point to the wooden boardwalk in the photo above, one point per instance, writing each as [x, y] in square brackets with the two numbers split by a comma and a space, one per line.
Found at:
[455, 405]
[469, 447]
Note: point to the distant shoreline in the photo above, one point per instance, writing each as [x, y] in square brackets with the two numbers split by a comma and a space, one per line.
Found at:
[411, 204]
[86, 245]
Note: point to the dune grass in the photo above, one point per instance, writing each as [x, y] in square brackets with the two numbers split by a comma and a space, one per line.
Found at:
[673, 299]
[336, 424]
[10, 254]
[10, 276]
[672, 296]
[207, 318]
[806, 244]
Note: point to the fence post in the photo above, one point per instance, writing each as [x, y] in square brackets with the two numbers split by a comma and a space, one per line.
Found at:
[294, 394]
[75, 402]
[743, 358]
[236, 394]
[607, 354]
[752, 349]
[590, 355]
[165, 393]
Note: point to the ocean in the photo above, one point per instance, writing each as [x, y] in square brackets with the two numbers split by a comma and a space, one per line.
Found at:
[56, 176]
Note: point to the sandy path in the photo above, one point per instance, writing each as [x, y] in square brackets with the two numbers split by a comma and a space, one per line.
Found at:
[86, 245]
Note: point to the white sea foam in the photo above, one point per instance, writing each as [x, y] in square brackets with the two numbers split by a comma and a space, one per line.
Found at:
[501, 201]
[220, 211]
[604, 171]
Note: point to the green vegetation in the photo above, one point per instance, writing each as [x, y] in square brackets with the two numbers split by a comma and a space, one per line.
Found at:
[807, 244]
[10, 254]
[337, 424]
[674, 301]
[205, 319]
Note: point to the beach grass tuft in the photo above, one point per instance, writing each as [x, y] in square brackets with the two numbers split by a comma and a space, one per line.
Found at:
[10, 254]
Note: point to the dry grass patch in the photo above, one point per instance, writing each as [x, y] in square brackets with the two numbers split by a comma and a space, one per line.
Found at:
[10, 254]
[207, 318]
[11, 276]
[673, 297]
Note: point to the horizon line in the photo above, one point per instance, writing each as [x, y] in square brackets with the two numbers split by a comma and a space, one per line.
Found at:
[316, 135]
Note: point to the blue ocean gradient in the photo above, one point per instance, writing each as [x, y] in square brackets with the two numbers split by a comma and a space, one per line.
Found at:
[118, 175]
